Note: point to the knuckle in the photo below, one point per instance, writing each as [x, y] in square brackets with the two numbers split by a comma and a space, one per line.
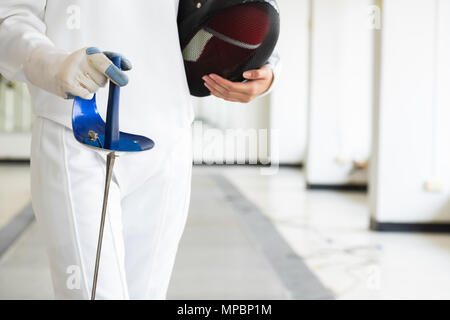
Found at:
[103, 81]
[94, 89]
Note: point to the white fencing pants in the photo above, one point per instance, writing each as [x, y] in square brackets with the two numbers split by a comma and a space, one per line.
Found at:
[147, 210]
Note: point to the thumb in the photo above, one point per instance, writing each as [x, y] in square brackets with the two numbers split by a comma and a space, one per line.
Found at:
[256, 74]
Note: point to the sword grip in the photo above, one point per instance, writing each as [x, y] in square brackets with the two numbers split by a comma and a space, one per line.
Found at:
[112, 133]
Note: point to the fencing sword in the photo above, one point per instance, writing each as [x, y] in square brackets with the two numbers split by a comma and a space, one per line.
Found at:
[90, 129]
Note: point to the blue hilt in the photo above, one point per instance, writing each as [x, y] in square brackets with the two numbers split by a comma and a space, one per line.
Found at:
[90, 129]
[112, 133]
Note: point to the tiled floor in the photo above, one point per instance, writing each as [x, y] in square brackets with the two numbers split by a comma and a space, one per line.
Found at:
[330, 231]
[220, 257]
[24, 270]
[14, 190]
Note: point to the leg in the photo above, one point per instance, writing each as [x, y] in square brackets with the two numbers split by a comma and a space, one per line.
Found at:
[67, 191]
[154, 219]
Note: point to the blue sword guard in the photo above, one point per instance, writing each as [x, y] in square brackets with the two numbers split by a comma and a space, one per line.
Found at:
[90, 129]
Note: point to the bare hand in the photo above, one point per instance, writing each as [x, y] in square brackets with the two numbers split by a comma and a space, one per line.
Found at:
[259, 82]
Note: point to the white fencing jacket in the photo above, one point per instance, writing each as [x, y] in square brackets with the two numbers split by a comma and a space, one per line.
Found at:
[156, 101]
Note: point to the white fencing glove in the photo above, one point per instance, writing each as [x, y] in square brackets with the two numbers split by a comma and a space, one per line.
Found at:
[80, 73]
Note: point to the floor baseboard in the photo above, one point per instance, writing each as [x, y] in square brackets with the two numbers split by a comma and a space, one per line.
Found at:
[409, 227]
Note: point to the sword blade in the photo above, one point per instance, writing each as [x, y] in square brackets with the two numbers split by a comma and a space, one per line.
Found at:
[110, 159]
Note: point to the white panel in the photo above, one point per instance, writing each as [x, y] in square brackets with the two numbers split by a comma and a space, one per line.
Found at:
[341, 83]
[412, 152]
[290, 98]
[15, 121]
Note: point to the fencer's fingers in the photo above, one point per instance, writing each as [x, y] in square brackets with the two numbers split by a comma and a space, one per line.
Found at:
[79, 91]
[245, 92]
[215, 85]
[228, 96]
[214, 91]
[218, 94]
[99, 78]
[101, 62]
[126, 64]
[262, 73]
[227, 84]
[234, 87]
[87, 82]
[226, 93]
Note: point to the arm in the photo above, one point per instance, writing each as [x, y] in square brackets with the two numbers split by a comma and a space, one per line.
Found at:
[274, 63]
[21, 31]
[260, 82]
[26, 53]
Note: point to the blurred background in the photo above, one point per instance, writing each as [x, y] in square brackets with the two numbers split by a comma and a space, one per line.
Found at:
[334, 186]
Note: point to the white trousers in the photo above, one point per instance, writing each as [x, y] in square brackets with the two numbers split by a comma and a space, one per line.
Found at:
[147, 210]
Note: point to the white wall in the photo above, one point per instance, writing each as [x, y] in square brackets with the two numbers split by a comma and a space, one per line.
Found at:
[341, 83]
[290, 99]
[224, 115]
[411, 167]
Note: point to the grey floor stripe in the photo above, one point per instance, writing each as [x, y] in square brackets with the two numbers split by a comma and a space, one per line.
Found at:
[11, 231]
[293, 272]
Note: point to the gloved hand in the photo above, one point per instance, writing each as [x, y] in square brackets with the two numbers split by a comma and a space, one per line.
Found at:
[80, 73]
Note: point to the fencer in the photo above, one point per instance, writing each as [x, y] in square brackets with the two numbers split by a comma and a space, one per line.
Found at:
[52, 45]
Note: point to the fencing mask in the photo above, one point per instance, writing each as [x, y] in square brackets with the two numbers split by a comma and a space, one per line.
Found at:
[225, 37]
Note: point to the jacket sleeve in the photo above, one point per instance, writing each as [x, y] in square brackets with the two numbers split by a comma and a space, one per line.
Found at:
[275, 63]
[22, 29]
